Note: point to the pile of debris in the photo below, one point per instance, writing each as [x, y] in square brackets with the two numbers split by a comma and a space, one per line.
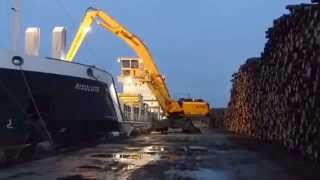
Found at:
[277, 97]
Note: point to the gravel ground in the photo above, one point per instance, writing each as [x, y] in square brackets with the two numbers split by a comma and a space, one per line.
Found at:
[211, 155]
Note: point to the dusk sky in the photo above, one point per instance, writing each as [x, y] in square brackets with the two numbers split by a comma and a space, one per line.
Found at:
[197, 44]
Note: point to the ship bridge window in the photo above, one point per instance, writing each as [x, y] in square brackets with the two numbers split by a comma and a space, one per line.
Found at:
[126, 63]
[134, 64]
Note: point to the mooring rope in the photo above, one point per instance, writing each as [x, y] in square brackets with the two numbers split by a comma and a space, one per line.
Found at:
[42, 123]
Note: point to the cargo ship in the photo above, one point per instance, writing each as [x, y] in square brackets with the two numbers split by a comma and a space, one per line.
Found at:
[52, 101]
[45, 99]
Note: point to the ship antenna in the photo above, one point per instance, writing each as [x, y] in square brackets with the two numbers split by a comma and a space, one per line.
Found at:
[15, 24]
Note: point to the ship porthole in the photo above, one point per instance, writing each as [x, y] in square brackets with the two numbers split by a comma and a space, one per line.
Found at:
[90, 72]
[17, 60]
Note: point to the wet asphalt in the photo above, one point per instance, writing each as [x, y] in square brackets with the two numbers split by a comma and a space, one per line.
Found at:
[215, 154]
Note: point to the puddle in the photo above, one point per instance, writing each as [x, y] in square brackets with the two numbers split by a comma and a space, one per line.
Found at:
[136, 157]
[74, 177]
[199, 149]
[90, 167]
[203, 174]
[23, 174]
[165, 157]
[130, 167]
[156, 148]
[133, 156]
[147, 151]
[130, 159]
[132, 148]
[105, 155]
[115, 166]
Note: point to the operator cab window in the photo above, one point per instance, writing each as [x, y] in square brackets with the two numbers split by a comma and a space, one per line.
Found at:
[126, 63]
[134, 64]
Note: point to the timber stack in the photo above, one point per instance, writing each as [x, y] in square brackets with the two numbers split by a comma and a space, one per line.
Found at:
[277, 97]
[239, 115]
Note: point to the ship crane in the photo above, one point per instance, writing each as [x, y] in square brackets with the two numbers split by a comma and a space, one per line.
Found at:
[150, 73]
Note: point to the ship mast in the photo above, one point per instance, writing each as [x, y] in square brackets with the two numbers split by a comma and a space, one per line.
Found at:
[15, 24]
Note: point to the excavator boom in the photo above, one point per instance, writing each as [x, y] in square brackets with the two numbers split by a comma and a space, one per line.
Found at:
[151, 75]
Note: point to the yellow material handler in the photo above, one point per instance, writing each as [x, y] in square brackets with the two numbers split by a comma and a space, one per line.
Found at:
[182, 109]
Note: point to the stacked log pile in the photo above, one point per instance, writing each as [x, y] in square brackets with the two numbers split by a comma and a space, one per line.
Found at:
[239, 116]
[277, 97]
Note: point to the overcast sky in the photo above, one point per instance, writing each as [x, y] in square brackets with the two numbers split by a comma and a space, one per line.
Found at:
[197, 44]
